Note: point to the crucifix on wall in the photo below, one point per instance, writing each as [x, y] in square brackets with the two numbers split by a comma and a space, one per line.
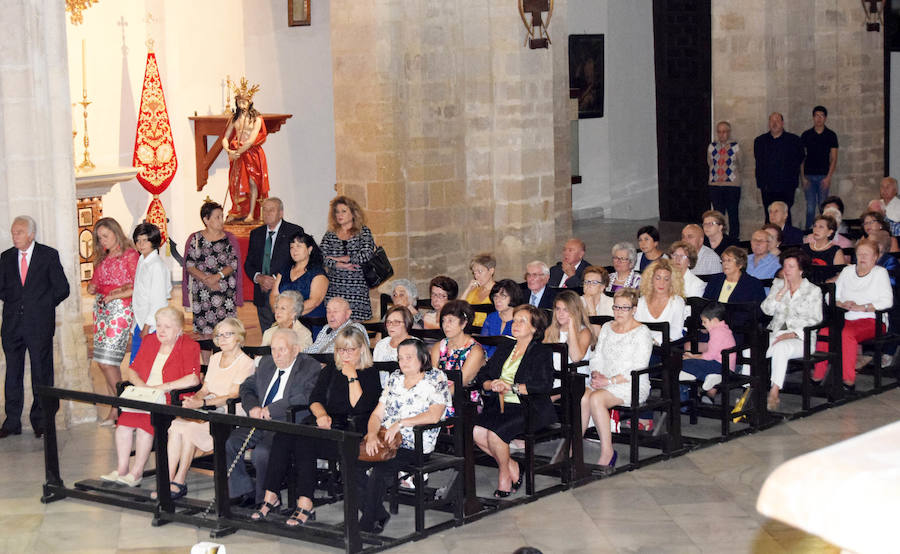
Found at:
[537, 27]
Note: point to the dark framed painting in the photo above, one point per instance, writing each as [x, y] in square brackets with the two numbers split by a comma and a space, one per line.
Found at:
[586, 69]
[298, 13]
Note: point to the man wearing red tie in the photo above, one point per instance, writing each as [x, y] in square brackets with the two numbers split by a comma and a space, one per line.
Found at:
[32, 284]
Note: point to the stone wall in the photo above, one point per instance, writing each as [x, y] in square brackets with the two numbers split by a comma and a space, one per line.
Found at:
[788, 56]
[451, 134]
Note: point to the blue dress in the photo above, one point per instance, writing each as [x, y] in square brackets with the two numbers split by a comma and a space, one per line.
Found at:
[302, 285]
[492, 328]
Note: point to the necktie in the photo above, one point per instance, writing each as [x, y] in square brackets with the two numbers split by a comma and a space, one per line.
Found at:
[274, 390]
[267, 255]
[534, 300]
[23, 267]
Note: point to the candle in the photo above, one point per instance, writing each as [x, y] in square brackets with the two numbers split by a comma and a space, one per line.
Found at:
[83, 71]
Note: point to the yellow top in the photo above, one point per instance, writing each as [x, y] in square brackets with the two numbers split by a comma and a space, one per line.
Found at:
[473, 299]
[508, 376]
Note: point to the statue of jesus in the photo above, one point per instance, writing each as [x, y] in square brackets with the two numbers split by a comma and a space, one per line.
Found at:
[248, 174]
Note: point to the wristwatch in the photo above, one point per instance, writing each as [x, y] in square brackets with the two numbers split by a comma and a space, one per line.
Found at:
[515, 389]
[222, 275]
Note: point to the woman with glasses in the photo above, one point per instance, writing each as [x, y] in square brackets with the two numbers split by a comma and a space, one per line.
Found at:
[287, 308]
[345, 394]
[398, 322]
[624, 345]
[734, 285]
[227, 369]
[443, 289]
[684, 258]
[479, 289]
[505, 295]
[457, 350]
[623, 259]
[714, 232]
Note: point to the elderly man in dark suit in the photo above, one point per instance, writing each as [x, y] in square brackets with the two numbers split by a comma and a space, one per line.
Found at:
[268, 251]
[568, 272]
[536, 287]
[32, 284]
[284, 379]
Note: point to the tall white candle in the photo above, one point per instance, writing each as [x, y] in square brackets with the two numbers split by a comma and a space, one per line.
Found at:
[83, 71]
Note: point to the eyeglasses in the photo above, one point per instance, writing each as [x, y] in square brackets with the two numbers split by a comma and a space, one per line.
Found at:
[440, 295]
[679, 256]
[393, 322]
[618, 308]
[710, 223]
[533, 275]
[621, 259]
[225, 335]
[347, 350]
[593, 282]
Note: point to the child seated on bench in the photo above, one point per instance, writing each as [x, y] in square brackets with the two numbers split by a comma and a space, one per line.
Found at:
[709, 360]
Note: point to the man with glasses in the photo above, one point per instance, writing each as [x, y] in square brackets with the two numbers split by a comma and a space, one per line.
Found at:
[537, 275]
[337, 312]
[761, 263]
[283, 379]
[568, 272]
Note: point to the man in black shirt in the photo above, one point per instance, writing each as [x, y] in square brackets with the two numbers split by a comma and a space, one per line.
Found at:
[778, 156]
[821, 146]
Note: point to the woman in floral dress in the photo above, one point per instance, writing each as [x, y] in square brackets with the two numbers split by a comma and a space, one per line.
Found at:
[211, 261]
[115, 262]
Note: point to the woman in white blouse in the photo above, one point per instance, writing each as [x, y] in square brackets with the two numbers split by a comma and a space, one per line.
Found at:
[570, 325]
[794, 303]
[662, 299]
[684, 257]
[398, 321]
[861, 289]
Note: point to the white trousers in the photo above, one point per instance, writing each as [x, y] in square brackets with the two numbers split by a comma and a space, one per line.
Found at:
[781, 352]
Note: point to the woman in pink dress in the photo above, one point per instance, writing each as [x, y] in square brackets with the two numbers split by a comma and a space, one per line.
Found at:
[227, 370]
[115, 263]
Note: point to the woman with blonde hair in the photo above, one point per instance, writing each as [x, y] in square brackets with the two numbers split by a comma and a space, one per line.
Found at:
[227, 369]
[570, 325]
[115, 265]
[662, 298]
[479, 289]
[347, 245]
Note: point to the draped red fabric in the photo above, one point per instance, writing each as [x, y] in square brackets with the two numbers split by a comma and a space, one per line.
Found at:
[154, 148]
[251, 165]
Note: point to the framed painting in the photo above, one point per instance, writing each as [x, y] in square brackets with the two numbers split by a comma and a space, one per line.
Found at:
[586, 70]
[85, 217]
[298, 13]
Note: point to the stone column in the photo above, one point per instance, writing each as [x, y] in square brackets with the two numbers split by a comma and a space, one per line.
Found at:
[36, 169]
[451, 133]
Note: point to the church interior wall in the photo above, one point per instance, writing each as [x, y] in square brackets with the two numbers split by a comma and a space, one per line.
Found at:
[617, 153]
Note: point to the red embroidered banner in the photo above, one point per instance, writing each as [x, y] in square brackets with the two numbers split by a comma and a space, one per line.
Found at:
[154, 149]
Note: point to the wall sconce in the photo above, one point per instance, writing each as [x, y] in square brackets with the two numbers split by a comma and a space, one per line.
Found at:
[874, 10]
[537, 27]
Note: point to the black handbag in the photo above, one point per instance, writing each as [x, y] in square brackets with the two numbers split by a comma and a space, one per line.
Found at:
[378, 269]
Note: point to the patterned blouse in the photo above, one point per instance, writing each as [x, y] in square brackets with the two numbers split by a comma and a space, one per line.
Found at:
[401, 403]
[450, 360]
[793, 312]
[115, 271]
[633, 281]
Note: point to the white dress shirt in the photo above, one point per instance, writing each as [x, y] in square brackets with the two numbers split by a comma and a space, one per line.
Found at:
[152, 289]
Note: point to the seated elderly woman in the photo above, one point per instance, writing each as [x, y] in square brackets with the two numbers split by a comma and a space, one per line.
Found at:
[345, 394]
[522, 368]
[793, 303]
[684, 257]
[570, 325]
[227, 370]
[457, 350]
[776, 235]
[837, 239]
[623, 260]
[594, 300]
[624, 345]
[505, 295]
[398, 322]
[479, 289]
[861, 289]
[714, 231]
[648, 242]
[734, 285]
[287, 309]
[414, 395]
[662, 299]
[404, 293]
[874, 221]
[820, 247]
[167, 360]
[442, 289]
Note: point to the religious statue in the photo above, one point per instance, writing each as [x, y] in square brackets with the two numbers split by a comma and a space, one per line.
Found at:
[248, 174]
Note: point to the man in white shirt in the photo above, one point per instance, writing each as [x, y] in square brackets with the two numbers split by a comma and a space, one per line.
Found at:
[284, 379]
[888, 204]
[708, 262]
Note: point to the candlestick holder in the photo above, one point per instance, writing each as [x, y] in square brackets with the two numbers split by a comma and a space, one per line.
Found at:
[86, 163]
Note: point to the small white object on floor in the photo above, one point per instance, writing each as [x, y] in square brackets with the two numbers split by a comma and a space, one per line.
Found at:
[208, 548]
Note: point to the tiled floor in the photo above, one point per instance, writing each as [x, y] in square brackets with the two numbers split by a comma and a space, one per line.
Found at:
[701, 502]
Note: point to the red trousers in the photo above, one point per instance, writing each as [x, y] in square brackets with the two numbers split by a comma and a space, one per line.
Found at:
[854, 332]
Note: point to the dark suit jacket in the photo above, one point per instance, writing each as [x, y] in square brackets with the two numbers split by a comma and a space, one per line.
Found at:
[535, 372]
[556, 274]
[546, 301]
[281, 255]
[791, 236]
[299, 386]
[30, 310]
[749, 289]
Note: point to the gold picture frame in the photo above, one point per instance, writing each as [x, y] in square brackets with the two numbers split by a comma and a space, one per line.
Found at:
[298, 13]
